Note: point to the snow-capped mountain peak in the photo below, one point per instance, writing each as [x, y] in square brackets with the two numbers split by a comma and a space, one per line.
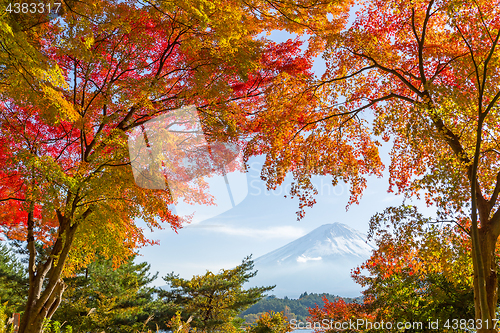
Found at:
[326, 243]
[320, 261]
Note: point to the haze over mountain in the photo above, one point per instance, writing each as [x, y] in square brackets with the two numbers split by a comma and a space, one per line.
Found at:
[318, 262]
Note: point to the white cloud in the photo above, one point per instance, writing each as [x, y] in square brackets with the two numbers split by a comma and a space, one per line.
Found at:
[303, 258]
[281, 232]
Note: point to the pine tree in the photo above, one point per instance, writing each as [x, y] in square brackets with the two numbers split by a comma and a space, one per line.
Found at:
[13, 281]
[101, 298]
[214, 300]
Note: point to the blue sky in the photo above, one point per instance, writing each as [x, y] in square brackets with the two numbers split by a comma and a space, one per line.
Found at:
[264, 220]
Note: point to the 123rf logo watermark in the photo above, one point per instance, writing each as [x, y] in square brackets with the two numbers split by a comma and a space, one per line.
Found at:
[172, 153]
[364, 324]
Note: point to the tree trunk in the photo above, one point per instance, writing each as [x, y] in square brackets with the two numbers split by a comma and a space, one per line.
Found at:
[43, 304]
[487, 244]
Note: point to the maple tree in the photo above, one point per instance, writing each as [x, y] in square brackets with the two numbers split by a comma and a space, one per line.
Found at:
[177, 325]
[338, 312]
[271, 322]
[73, 84]
[427, 71]
[421, 271]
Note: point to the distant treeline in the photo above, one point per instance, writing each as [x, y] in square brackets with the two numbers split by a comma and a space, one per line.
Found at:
[293, 308]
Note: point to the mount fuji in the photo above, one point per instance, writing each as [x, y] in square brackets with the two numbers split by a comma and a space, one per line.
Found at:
[319, 262]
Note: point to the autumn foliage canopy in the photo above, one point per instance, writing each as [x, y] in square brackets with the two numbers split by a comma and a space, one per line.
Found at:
[74, 82]
[422, 75]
